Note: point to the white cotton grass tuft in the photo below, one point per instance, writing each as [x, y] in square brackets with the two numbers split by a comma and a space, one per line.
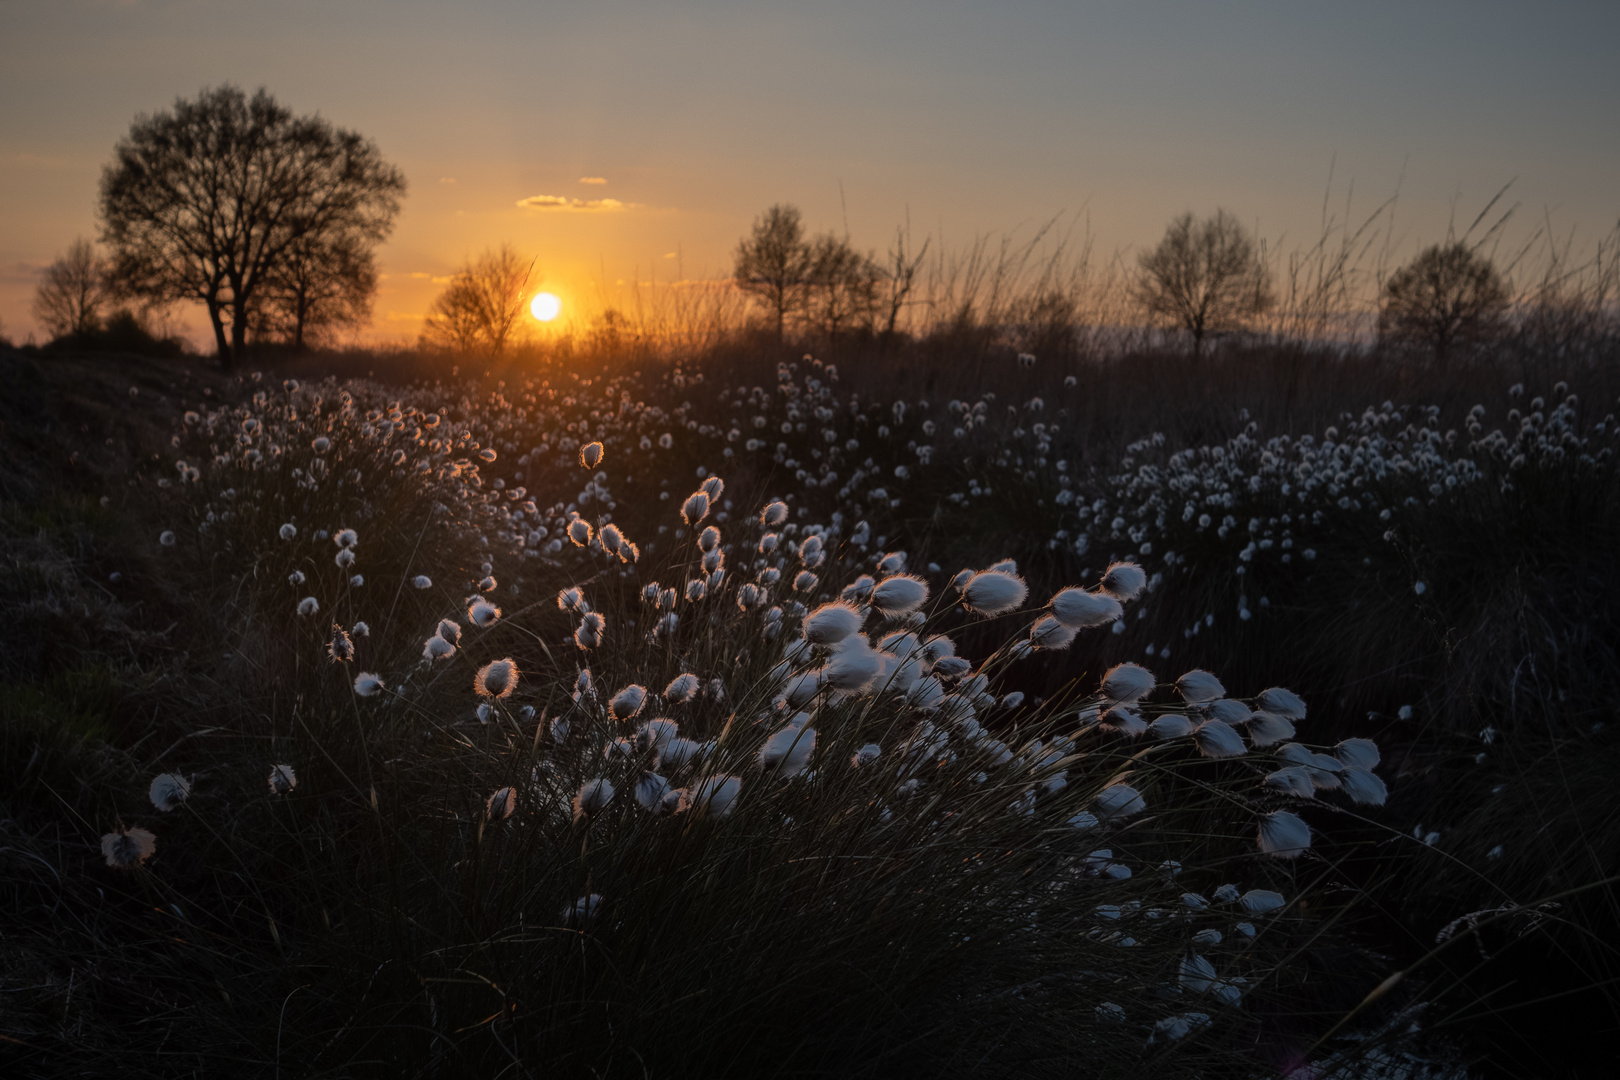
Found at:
[361, 629]
[367, 683]
[899, 594]
[1079, 609]
[1170, 726]
[590, 455]
[1359, 753]
[1261, 901]
[787, 752]
[1123, 720]
[627, 702]
[128, 848]
[308, 606]
[288, 531]
[496, 679]
[583, 910]
[1284, 703]
[1197, 687]
[1284, 835]
[1127, 682]
[436, 648]
[1219, 740]
[500, 805]
[714, 795]
[853, 665]
[1124, 580]
[709, 538]
[282, 779]
[593, 795]
[1119, 801]
[865, 755]
[1229, 711]
[1292, 780]
[579, 531]
[994, 592]
[483, 614]
[422, 581]
[774, 514]
[450, 630]
[1197, 974]
[1051, 633]
[651, 790]
[1364, 786]
[695, 508]
[346, 538]
[832, 623]
[166, 538]
[1269, 729]
[681, 689]
[169, 791]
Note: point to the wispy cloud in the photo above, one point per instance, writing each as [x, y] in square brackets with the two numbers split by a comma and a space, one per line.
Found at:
[563, 202]
[593, 179]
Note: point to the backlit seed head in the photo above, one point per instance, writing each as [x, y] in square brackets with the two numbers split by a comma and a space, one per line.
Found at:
[496, 679]
[832, 623]
[282, 779]
[450, 630]
[774, 514]
[899, 594]
[627, 702]
[128, 848]
[994, 592]
[483, 614]
[168, 791]
[1284, 703]
[288, 531]
[366, 684]
[1124, 580]
[1283, 835]
[695, 508]
[681, 689]
[308, 606]
[1080, 610]
[1127, 682]
[589, 633]
[501, 804]
[590, 455]
[1198, 686]
[593, 796]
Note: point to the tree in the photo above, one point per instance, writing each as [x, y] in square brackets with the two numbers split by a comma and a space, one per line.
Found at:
[840, 286]
[205, 202]
[1204, 276]
[480, 310]
[324, 284]
[1448, 295]
[773, 263]
[72, 292]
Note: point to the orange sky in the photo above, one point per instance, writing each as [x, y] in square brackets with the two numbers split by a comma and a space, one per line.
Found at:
[965, 117]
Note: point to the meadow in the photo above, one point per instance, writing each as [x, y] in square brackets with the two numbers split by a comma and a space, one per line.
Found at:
[945, 709]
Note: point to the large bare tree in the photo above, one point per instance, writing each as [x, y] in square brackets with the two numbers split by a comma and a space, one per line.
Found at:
[204, 202]
[1204, 277]
[1448, 295]
[773, 263]
[72, 292]
[481, 309]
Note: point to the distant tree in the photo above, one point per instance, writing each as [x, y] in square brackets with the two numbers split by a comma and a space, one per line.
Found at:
[324, 284]
[482, 307]
[899, 278]
[773, 263]
[1204, 276]
[840, 286]
[1449, 295]
[205, 202]
[72, 292]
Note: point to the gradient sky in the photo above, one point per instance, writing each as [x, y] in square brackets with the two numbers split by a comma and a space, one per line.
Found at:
[967, 117]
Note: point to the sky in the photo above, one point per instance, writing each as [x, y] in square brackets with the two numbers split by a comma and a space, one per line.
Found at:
[963, 118]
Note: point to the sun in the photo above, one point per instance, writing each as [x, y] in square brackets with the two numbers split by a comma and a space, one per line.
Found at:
[545, 306]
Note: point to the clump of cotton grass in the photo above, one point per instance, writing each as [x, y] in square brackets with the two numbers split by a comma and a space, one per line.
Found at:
[126, 849]
[787, 752]
[590, 455]
[169, 791]
[627, 702]
[367, 683]
[1124, 580]
[1127, 683]
[681, 689]
[592, 796]
[308, 606]
[282, 779]
[1284, 835]
[831, 623]
[994, 592]
[496, 679]
[483, 614]
[1079, 609]
[500, 805]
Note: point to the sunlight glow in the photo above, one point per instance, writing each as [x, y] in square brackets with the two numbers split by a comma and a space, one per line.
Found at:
[545, 306]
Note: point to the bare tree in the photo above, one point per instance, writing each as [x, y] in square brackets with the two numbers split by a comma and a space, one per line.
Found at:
[482, 307]
[72, 292]
[841, 286]
[1204, 276]
[900, 277]
[204, 202]
[1448, 295]
[322, 285]
[773, 263]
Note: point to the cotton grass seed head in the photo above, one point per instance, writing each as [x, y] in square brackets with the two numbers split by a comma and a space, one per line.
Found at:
[450, 630]
[128, 848]
[1360, 753]
[282, 779]
[695, 508]
[288, 531]
[832, 623]
[627, 702]
[1119, 801]
[1292, 780]
[1364, 786]
[715, 796]
[1269, 729]
[1124, 580]
[1050, 632]
[367, 683]
[1284, 835]
[308, 606]
[1218, 740]
[1284, 703]
[651, 790]
[1079, 609]
[593, 795]
[1261, 901]
[579, 531]
[1170, 726]
[1198, 686]
[787, 752]
[483, 614]
[422, 581]
[496, 679]
[590, 455]
[1127, 682]
[341, 647]
[681, 689]
[899, 594]
[166, 537]
[774, 514]
[500, 804]
[168, 791]
[994, 592]
[346, 538]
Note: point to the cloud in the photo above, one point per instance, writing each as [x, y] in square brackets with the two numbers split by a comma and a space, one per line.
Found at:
[563, 202]
[593, 179]
[419, 274]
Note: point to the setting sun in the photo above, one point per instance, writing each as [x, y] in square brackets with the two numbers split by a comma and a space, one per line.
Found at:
[545, 306]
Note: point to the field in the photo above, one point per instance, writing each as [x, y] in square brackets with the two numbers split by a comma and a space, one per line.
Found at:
[742, 713]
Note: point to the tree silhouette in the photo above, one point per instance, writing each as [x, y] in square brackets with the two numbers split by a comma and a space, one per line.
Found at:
[1448, 295]
[72, 292]
[205, 202]
[481, 309]
[773, 263]
[1204, 276]
[323, 284]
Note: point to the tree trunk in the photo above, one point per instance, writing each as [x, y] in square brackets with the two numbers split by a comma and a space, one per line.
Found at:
[220, 343]
[238, 325]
